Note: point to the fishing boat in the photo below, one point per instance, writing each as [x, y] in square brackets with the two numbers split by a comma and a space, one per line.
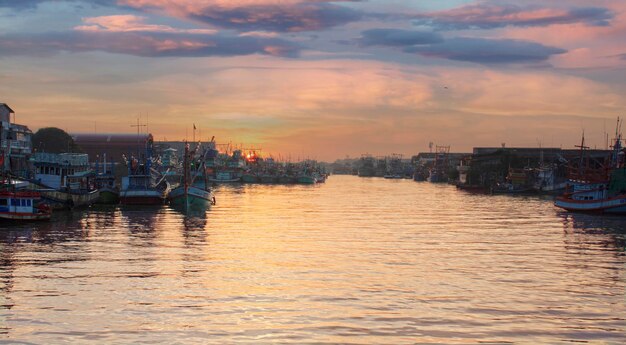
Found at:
[439, 171]
[188, 196]
[597, 198]
[20, 204]
[393, 176]
[287, 179]
[144, 185]
[366, 166]
[394, 167]
[308, 173]
[106, 185]
[590, 192]
[250, 177]
[517, 182]
[23, 205]
[109, 193]
[307, 179]
[64, 180]
[225, 177]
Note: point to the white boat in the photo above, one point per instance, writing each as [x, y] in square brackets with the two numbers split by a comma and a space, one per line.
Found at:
[64, 180]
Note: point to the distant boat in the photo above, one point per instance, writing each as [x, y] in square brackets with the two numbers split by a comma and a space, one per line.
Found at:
[393, 176]
[366, 166]
[517, 182]
[307, 179]
[249, 178]
[439, 171]
[225, 177]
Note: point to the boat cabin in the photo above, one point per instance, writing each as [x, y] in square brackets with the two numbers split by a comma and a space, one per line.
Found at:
[18, 202]
[63, 171]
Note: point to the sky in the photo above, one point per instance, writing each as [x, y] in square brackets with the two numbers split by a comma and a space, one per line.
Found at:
[320, 79]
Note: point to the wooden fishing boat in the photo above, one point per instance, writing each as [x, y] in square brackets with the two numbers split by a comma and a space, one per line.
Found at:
[64, 180]
[188, 196]
[23, 206]
[589, 190]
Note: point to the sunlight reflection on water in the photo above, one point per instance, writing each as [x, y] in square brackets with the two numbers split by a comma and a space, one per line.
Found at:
[352, 261]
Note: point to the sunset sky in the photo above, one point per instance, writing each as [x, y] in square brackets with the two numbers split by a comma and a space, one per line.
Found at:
[320, 79]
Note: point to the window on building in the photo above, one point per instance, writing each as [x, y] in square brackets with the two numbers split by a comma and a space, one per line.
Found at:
[15, 202]
[3, 202]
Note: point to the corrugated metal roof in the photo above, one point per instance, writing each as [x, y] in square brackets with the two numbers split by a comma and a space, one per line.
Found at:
[6, 105]
[110, 137]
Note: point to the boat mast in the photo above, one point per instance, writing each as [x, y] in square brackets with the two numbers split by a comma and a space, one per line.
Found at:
[186, 177]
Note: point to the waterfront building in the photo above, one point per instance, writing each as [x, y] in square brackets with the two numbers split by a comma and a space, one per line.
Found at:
[114, 145]
[15, 143]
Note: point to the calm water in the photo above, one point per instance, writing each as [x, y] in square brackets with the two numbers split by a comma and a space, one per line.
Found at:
[352, 261]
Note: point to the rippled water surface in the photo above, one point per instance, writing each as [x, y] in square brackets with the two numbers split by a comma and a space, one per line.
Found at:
[351, 261]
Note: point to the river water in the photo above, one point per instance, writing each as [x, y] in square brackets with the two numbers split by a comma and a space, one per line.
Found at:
[355, 260]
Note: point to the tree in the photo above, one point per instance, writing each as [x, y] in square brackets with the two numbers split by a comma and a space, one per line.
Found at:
[53, 140]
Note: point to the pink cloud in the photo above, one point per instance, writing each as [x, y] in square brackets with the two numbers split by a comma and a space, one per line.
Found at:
[588, 46]
[490, 16]
[131, 23]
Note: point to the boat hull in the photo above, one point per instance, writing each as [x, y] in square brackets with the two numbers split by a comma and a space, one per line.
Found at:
[142, 197]
[109, 196]
[196, 198]
[286, 179]
[218, 180]
[25, 216]
[59, 200]
[306, 180]
[268, 179]
[616, 205]
[249, 179]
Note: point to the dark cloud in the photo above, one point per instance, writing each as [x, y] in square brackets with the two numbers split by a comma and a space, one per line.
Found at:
[398, 38]
[26, 4]
[485, 16]
[282, 17]
[147, 44]
[487, 51]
